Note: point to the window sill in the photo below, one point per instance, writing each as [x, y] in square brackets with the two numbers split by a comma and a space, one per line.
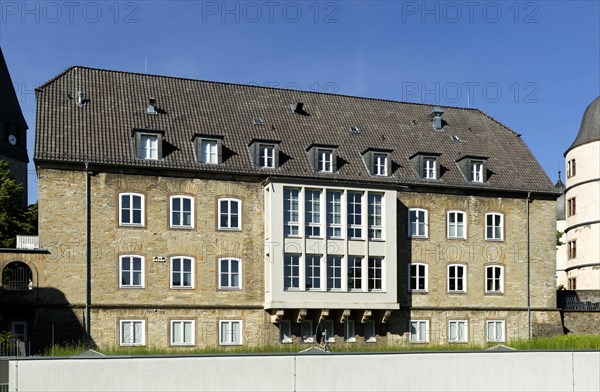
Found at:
[131, 225]
[495, 239]
[230, 229]
[456, 238]
[230, 344]
[419, 292]
[494, 293]
[418, 237]
[182, 345]
[230, 289]
[131, 287]
[181, 227]
[182, 288]
[457, 292]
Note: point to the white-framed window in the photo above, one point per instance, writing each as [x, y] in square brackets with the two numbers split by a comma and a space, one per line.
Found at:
[458, 331]
[370, 336]
[182, 212]
[457, 278]
[325, 160]
[182, 272]
[419, 331]
[230, 273]
[306, 331]
[313, 212]
[131, 209]
[417, 223]
[494, 331]
[375, 273]
[334, 272]
[354, 215]
[380, 164]
[572, 249]
[149, 146]
[349, 331]
[313, 272]
[266, 156]
[132, 332]
[494, 279]
[131, 271]
[457, 225]
[285, 331]
[328, 332]
[334, 214]
[230, 332]
[182, 332]
[230, 214]
[375, 216]
[418, 277]
[291, 271]
[355, 266]
[209, 151]
[291, 212]
[477, 171]
[494, 226]
[429, 171]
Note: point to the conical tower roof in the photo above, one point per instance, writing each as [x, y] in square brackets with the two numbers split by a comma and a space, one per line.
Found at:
[589, 131]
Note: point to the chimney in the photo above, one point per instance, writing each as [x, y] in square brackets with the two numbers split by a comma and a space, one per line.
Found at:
[151, 106]
[436, 118]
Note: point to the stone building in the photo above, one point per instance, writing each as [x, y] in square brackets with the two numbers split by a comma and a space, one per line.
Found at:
[185, 213]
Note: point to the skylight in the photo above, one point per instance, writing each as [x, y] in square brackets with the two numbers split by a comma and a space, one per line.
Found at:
[257, 121]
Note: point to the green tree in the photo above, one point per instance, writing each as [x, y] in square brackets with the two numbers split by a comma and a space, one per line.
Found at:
[14, 219]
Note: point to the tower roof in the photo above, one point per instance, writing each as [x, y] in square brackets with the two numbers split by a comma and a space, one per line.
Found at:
[9, 104]
[589, 131]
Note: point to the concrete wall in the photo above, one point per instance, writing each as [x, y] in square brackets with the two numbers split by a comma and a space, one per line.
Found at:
[468, 371]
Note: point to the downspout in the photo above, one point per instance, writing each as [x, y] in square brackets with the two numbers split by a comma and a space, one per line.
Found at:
[528, 267]
[88, 254]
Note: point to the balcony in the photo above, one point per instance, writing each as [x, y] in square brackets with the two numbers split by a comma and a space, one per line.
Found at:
[28, 242]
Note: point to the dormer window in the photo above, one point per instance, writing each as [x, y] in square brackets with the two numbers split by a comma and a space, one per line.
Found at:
[323, 157]
[429, 168]
[477, 171]
[473, 168]
[148, 144]
[325, 160]
[209, 148]
[427, 165]
[264, 153]
[378, 161]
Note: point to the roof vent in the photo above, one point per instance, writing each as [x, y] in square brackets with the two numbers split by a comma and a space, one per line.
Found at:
[298, 107]
[455, 138]
[151, 106]
[436, 118]
[257, 121]
[354, 129]
[80, 98]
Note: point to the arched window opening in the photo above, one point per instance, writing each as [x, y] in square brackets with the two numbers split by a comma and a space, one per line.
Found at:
[17, 276]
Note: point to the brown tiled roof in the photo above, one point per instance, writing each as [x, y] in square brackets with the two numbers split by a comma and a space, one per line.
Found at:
[100, 131]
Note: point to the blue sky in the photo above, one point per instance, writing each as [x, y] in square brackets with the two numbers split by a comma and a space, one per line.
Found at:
[532, 65]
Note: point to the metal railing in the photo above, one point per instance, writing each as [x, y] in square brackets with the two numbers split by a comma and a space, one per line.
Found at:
[28, 242]
[14, 348]
[574, 303]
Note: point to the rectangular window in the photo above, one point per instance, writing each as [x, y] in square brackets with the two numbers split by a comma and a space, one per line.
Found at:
[370, 336]
[182, 273]
[285, 331]
[313, 213]
[349, 331]
[419, 331]
[325, 160]
[380, 164]
[313, 272]
[429, 168]
[457, 331]
[572, 249]
[456, 225]
[209, 152]
[291, 213]
[418, 277]
[131, 271]
[182, 332]
[230, 332]
[375, 216]
[417, 223]
[131, 209]
[229, 214]
[355, 273]
[328, 333]
[149, 146]
[266, 156]
[571, 207]
[494, 279]
[375, 273]
[334, 214]
[572, 283]
[306, 331]
[494, 331]
[570, 168]
[494, 226]
[457, 278]
[354, 215]
[476, 171]
[230, 272]
[182, 212]
[132, 333]
[334, 272]
[291, 272]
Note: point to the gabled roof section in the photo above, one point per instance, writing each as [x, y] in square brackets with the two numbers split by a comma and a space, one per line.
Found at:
[10, 110]
[100, 131]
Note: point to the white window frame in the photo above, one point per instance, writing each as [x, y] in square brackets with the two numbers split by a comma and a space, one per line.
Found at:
[459, 325]
[419, 223]
[494, 278]
[131, 209]
[182, 324]
[456, 225]
[182, 273]
[313, 224]
[325, 160]
[352, 276]
[229, 274]
[374, 278]
[285, 331]
[209, 151]
[313, 269]
[494, 227]
[335, 265]
[226, 333]
[349, 331]
[419, 336]
[229, 215]
[353, 215]
[266, 156]
[335, 223]
[182, 212]
[376, 219]
[17, 335]
[370, 332]
[457, 279]
[477, 171]
[131, 271]
[292, 262]
[306, 331]
[380, 164]
[328, 330]
[421, 267]
[142, 330]
[493, 337]
[429, 169]
[149, 144]
[291, 212]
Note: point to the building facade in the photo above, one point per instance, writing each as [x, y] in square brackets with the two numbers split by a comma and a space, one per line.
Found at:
[183, 213]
